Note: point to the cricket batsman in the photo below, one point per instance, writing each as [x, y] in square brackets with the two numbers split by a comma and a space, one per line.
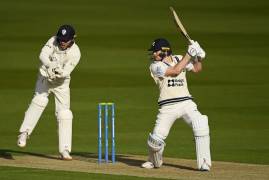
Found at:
[175, 101]
[58, 57]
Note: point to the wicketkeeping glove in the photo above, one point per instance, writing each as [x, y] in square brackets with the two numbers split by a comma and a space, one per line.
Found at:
[58, 72]
[51, 70]
[51, 74]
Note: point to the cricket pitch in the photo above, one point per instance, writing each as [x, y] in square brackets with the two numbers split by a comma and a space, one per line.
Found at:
[130, 165]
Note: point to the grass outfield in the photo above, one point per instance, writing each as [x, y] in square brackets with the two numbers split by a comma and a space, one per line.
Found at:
[113, 37]
[14, 173]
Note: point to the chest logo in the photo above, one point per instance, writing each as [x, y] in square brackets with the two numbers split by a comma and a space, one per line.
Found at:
[175, 82]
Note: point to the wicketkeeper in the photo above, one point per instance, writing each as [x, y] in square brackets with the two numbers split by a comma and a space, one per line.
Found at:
[175, 101]
[59, 56]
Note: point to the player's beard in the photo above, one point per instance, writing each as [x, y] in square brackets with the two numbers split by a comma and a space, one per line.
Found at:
[63, 48]
[152, 57]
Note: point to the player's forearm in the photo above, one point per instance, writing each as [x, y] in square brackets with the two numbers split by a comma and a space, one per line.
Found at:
[70, 66]
[178, 68]
[197, 66]
[44, 58]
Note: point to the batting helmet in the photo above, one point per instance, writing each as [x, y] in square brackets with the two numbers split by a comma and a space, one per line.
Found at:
[65, 33]
[161, 44]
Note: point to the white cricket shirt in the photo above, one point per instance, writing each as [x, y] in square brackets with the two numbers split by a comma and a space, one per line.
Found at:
[68, 59]
[172, 89]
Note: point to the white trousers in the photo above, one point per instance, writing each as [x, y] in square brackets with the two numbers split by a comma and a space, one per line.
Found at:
[169, 114]
[60, 89]
[199, 123]
[61, 92]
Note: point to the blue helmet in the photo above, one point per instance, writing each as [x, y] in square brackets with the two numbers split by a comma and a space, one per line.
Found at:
[161, 44]
[65, 33]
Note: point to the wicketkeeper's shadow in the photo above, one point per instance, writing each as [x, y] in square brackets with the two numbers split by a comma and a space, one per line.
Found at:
[7, 154]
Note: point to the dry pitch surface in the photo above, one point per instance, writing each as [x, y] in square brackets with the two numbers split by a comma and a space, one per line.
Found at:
[130, 165]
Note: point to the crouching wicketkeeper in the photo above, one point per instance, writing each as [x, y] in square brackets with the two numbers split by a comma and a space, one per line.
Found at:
[58, 57]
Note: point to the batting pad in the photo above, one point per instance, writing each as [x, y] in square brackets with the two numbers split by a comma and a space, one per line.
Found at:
[203, 150]
[65, 130]
[33, 113]
[200, 125]
[156, 147]
[202, 140]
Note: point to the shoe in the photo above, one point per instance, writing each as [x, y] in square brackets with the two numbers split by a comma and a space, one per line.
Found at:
[22, 138]
[66, 156]
[205, 167]
[147, 165]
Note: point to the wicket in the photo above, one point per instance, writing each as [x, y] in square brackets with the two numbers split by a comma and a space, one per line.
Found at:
[106, 106]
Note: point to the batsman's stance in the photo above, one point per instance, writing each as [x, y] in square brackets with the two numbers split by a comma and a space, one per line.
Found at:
[58, 57]
[175, 101]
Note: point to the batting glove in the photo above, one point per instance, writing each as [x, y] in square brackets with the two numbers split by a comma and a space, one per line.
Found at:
[193, 49]
[200, 53]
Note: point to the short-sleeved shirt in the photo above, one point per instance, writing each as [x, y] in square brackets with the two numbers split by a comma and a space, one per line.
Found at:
[172, 89]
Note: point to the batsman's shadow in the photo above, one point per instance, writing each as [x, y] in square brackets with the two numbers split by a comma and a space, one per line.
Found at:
[8, 154]
[128, 160]
[180, 166]
[131, 161]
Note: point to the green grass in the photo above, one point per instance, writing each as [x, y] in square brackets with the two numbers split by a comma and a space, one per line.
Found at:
[42, 174]
[113, 37]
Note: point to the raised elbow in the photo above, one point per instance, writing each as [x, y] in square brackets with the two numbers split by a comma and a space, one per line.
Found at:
[197, 70]
[41, 56]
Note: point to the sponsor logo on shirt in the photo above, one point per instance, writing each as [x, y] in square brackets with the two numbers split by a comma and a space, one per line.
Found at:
[175, 82]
